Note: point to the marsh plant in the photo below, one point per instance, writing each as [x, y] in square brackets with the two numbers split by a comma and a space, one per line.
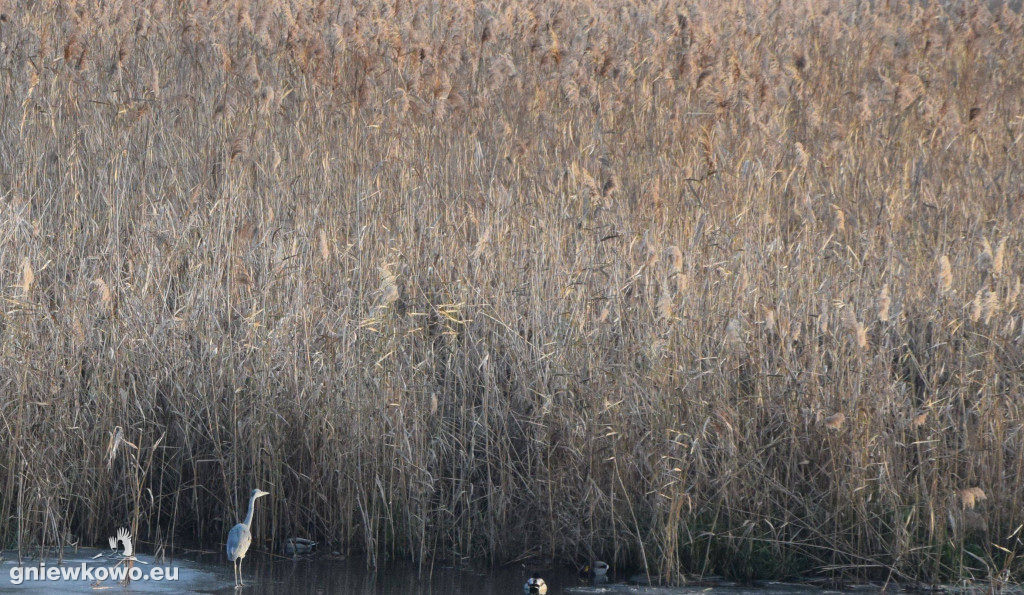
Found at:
[697, 287]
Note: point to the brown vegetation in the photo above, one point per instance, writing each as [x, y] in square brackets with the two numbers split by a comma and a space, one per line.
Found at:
[729, 288]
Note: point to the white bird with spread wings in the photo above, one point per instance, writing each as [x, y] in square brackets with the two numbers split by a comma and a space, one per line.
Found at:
[123, 536]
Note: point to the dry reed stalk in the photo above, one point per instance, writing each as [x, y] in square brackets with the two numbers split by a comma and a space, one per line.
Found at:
[1012, 295]
[840, 219]
[252, 239]
[834, 421]
[28, 277]
[884, 302]
[977, 305]
[998, 258]
[665, 307]
[969, 497]
[945, 275]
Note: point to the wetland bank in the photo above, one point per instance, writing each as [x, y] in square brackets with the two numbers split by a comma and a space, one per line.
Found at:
[707, 288]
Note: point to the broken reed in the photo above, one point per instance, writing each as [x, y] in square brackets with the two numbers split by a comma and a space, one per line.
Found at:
[711, 289]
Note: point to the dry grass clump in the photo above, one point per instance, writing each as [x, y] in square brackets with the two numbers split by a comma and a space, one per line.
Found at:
[708, 288]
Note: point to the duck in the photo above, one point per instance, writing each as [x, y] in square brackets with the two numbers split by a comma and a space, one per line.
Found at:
[295, 546]
[535, 584]
[598, 569]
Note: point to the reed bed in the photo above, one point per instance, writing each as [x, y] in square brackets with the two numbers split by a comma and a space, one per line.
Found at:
[692, 287]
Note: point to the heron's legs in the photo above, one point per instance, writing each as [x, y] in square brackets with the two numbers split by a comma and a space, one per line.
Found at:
[241, 579]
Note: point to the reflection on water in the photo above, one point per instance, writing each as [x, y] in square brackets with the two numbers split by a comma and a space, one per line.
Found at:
[211, 573]
[266, 575]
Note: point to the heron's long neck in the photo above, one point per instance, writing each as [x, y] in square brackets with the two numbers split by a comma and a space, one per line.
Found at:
[252, 505]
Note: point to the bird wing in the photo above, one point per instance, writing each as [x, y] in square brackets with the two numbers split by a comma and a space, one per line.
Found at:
[238, 541]
[125, 537]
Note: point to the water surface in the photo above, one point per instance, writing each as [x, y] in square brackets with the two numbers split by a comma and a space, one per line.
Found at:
[265, 574]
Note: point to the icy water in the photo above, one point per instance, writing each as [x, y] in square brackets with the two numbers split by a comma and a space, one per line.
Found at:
[264, 574]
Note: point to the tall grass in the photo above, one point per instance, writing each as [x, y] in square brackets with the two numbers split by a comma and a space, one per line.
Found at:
[701, 287]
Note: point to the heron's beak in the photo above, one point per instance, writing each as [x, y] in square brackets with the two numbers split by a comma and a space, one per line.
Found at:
[262, 493]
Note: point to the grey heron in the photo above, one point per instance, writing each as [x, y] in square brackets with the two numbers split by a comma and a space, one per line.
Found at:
[239, 539]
